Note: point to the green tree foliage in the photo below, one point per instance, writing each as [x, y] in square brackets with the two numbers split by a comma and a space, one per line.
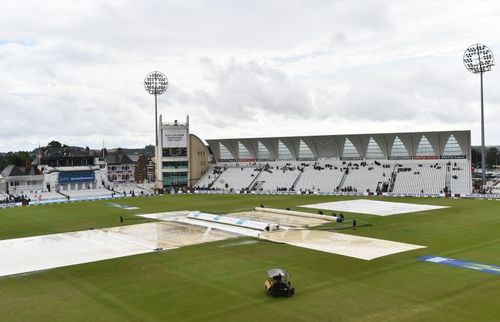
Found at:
[54, 144]
[492, 157]
[149, 150]
[476, 155]
[16, 158]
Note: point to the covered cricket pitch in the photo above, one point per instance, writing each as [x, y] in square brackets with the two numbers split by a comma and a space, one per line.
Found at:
[221, 280]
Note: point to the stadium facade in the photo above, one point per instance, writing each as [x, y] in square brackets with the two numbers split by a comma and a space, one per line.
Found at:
[407, 163]
[391, 146]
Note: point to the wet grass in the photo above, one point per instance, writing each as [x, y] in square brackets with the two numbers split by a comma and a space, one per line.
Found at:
[223, 281]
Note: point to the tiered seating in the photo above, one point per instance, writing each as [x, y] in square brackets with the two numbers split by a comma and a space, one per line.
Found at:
[424, 176]
[44, 195]
[460, 177]
[236, 178]
[147, 187]
[275, 179]
[326, 180]
[206, 180]
[364, 178]
[3, 195]
[412, 176]
[128, 189]
[88, 193]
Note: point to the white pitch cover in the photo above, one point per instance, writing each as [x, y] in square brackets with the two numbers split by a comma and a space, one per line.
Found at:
[253, 224]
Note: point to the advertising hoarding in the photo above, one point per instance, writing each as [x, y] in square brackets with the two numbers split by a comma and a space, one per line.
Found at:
[76, 177]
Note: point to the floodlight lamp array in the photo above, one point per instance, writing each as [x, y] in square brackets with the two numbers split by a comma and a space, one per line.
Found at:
[478, 58]
[156, 83]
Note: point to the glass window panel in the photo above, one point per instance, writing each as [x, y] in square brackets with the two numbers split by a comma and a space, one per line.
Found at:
[224, 152]
[373, 151]
[399, 149]
[350, 150]
[283, 152]
[304, 151]
[243, 152]
[424, 147]
[263, 152]
[452, 147]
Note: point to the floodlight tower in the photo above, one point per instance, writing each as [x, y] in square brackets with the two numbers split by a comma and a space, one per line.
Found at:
[478, 58]
[156, 83]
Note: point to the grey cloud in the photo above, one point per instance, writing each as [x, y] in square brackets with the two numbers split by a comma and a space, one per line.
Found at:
[75, 71]
[245, 87]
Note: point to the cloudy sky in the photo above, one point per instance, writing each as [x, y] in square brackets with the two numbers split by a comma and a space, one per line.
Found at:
[73, 70]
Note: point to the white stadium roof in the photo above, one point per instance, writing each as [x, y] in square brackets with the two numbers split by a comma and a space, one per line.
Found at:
[407, 145]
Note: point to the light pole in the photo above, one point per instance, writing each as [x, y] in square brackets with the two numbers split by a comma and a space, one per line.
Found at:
[479, 59]
[156, 83]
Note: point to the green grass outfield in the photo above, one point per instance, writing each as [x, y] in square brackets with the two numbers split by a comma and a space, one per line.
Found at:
[223, 281]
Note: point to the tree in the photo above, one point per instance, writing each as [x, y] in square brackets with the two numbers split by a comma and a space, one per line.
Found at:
[54, 144]
[15, 158]
[149, 150]
[492, 155]
[476, 156]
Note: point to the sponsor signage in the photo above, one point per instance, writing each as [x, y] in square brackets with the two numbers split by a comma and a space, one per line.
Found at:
[400, 158]
[453, 157]
[492, 269]
[246, 160]
[174, 138]
[426, 157]
[350, 158]
[76, 177]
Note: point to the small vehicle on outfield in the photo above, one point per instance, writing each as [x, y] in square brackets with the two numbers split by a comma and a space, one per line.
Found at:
[278, 283]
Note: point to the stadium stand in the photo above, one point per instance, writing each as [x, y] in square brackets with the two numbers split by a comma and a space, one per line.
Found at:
[3, 196]
[320, 176]
[420, 177]
[460, 177]
[366, 176]
[393, 163]
[88, 193]
[430, 177]
[42, 195]
[236, 178]
[277, 179]
[130, 189]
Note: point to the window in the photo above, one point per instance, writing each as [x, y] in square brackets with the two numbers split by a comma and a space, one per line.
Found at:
[263, 152]
[424, 147]
[175, 179]
[283, 152]
[304, 151]
[399, 149]
[350, 150]
[174, 152]
[452, 147]
[175, 165]
[224, 152]
[243, 152]
[373, 151]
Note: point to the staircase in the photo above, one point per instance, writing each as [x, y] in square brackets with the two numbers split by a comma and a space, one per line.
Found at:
[250, 186]
[341, 184]
[447, 182]
[296, 181]
[217, 177]
[393, 179]
[62, 194]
